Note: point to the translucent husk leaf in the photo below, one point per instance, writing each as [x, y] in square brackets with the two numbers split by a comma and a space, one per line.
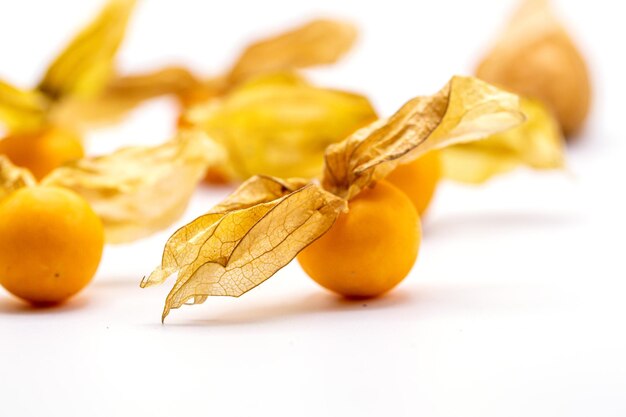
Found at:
[262, 226]
[13, 178]
[280, 125]
[466, 109]
[21, 109]
[315, 43]
[123, 94]
[235, 247]
[536, 57]
[85, 66]
[537, 143]
[137, 191]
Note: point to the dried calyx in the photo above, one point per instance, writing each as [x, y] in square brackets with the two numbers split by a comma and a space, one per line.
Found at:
[81, 87]
[318, 42]
[135, 191]
[536, 57]
[279, 125]
[268, 221]
[74, 80]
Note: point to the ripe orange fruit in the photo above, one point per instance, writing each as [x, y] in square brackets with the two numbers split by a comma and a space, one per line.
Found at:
[42, 151]
[418, 179]
[217, 176]
[50, 244]
[368, 250]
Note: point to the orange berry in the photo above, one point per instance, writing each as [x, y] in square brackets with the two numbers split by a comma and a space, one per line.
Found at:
[418, 179]
[368, 250]
[216, 176]
[50, 244]
[42, 151]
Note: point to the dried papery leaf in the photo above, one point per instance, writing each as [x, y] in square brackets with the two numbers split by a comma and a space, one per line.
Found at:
[280, 125]
[466, 109]
[169, 80]
[123, 94]
[21, 109]
[230, 252]
[13, 178]
[85, 66]
[258, 190]
[537, 143]
[315, 43]
[139, 190]
[181, 249]
[318, 42]
[536, 57]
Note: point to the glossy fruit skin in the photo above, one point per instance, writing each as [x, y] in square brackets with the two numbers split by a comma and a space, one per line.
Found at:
[42, 151]
[418, 179]
[51, 243]
[368, 250]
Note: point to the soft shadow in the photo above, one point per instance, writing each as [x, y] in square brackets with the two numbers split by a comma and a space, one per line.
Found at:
[13, 306]
[117, 282]
[482, 298]
[413, 303]
[471, 223]
[271, 311]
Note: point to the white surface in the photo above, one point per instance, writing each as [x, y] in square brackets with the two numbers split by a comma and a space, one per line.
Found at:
[515, 308]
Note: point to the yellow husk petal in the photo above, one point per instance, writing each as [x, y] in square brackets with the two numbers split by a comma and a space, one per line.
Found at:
[466, 109]
[315, 43]
[263, 225]
[85, 66]
[12, 178]
[137, 191]
[123, 94]
[21, 109]
[537, 143]
[280, 125]
[230, 252]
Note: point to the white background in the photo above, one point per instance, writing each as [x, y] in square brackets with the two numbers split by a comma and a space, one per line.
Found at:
[515, 307]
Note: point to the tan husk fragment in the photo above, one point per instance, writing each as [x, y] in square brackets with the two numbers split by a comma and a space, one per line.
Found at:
[279, 124]
[230, 252]
[536, 143]
[123, 94]
[265, 223]
[12, 178]
[137, 191]
[466, 109]
[86, 64]
[22, 109]
[536, 57]
[317, 42]
[68, 94]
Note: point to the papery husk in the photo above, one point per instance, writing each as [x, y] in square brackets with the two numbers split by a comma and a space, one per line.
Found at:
[22, 110]
[537, 143]
[12, 178]
[263, 225]
[69, 93]
[125, 93]
[229, 251]
[85, 66]
[280, 125]
[318, 42]
[465, 110]
[138, 191]
[536, 57]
